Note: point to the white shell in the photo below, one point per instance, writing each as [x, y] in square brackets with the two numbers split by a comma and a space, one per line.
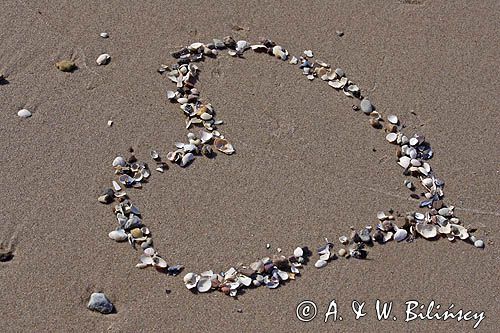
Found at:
[103, 59]
[298, 252]
[320, 263]
[205, 136]
[245, 280]
[149, 251]
[335, 84]
[186, 159]
[160, 262]
[104, 34]
[413, 141]
[392, 119]
[24, 113]
[118, 235]
[204, 285]
[309, 53]
[404, 162]
[381, 216]
[190, 280]
[400, 235]
[426, 230]
[170, 94]
[119, 161]
[147, 260]
[242, 45]
[391, 137]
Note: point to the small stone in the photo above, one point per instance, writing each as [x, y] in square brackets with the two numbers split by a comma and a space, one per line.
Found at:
[375, 123]
[23, 113]
[366, 106]
[342, 252]
[479, 243]
[66, 65]
[229, 42]
[99, 302]
[104, 34]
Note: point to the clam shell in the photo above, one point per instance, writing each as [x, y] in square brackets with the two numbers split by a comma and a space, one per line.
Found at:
[391, 137]
[335, 84]
[118, 235]
[393, 119]
[159, 262]
[426, 230]
[119, 161]
[479, 243]
[320, 263]
[404, 162]
[190, 280]
[147, 260]
[149, 251]
[309, 53]
[400, 235]
[204, 285]
[186, 159]
[224, 146]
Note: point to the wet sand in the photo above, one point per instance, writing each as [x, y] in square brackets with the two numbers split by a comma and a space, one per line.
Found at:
[306, 167]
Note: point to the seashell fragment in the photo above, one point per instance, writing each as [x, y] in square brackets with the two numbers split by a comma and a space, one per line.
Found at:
[190, 280]
[309, 53]
[104, 35]
[205, 137]
[224, 146]
[119, 161]
[186, 159]
[298, 252]
[103, 59]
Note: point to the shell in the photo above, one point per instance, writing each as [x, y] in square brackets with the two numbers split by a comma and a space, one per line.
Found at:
[479, 243]
[393, 119]
[335, 84]
[298, 252]
[170, 94]
[204, 285]
[104, 34]
[159, 262]
[320, 263]
[391, 137]
[103, 59]
[186, 159]
[118, 235]
[426, 230]
[459, 231]
[147, 260]
[404, 162]
[149, 251]
[119, 161]
[309, 53]
[205, 137]
[24, 113]
[190, 280]
[154, 154]
[400, 235]
[224, 146]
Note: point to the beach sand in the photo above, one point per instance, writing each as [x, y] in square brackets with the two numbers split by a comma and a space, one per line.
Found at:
[306, 167]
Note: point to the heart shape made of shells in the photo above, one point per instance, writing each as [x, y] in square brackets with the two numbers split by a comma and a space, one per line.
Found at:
[413, 153]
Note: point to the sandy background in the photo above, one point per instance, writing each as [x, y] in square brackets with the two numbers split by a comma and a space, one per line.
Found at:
[305, 167]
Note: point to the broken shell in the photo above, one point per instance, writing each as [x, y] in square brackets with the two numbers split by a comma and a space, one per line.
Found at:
[118, 235]
[136, 233]
[103, 59]
[190, 280]
[154, 155]
[404, 162]
[104, 34]
[343, 239]
[426, 230]
[159, 262]
[224, 146]
[309, 53]
[146, 259]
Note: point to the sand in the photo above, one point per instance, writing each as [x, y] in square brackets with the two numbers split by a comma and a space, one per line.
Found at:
[306, 166]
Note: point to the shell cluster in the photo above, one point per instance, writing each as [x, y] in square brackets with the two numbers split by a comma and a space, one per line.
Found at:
[413, 153]
[269, 272]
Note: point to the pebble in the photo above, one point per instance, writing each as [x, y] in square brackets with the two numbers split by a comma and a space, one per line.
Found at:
[100, 303]
[65, 65]
[104, 34]
[366, 106]
[342, 252]
[23, 113]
